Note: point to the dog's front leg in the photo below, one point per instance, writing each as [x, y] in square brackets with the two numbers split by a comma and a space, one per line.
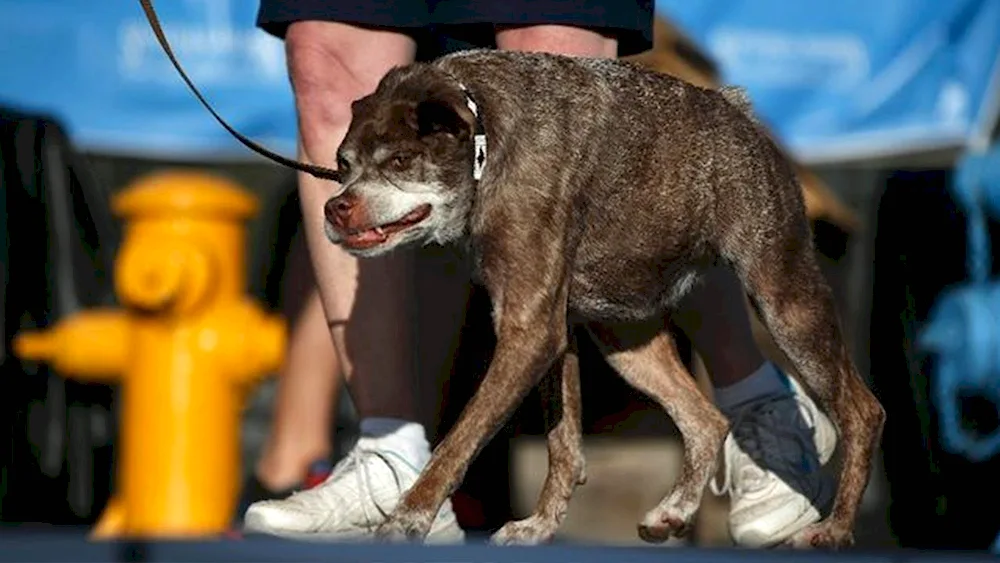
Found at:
[531, 333]
[562, 408]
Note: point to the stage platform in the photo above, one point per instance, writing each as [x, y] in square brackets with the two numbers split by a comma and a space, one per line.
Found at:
[58, 547]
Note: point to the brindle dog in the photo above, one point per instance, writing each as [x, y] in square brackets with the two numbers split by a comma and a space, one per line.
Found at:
[603, 190]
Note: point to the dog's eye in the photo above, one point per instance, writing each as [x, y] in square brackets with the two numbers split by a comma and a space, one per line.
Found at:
[342, 165]
[401, 161]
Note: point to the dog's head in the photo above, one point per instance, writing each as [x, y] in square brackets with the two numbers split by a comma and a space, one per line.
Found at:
[406, 165]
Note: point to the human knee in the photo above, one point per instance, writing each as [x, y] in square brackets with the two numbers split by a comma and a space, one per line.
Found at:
[562, 39]
[318, 68]
[332, 64]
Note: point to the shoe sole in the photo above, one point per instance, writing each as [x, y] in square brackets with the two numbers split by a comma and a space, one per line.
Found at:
[828, 494]
[781, 536]
[255, 525]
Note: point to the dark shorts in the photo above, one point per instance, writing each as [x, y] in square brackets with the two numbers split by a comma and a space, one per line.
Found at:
[450, 24]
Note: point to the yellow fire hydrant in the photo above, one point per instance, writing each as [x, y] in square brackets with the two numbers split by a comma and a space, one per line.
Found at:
[187, 347]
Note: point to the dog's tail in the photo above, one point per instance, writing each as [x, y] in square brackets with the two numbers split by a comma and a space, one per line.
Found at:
[737, 96]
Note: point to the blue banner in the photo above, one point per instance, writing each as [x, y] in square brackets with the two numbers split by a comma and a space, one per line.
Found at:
[97, 67]
[846, 80]
[857, 79]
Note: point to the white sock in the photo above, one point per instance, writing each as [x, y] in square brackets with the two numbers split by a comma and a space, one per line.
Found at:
[766, 381]
[405, 437]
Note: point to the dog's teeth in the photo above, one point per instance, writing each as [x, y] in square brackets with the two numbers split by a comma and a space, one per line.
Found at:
[379, 231]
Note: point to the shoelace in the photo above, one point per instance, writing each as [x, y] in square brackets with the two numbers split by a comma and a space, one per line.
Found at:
[760, 439]
[358, 459]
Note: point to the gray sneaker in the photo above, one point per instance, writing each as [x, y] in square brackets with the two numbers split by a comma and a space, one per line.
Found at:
[773, 467]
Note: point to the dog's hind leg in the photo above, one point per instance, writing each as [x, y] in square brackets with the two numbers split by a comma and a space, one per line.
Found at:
[646, 357]
[794, 301]
[562, 407]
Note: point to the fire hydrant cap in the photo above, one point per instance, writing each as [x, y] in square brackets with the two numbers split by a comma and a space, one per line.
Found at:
[185, 193]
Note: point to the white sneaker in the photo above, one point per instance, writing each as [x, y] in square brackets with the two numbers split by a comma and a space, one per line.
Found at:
[773, 468]
[354, 500]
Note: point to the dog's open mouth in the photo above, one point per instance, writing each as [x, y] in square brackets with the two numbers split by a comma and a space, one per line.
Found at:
[367, 238]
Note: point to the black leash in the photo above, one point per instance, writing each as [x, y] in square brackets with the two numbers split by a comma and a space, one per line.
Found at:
[317, 171]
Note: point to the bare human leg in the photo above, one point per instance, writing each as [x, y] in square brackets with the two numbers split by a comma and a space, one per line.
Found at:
[332, 64]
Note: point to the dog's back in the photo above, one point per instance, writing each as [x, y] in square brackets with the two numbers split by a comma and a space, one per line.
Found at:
[643, 156]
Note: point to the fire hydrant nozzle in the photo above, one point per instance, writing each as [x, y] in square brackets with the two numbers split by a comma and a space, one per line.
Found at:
[92, 345]
[36, 346]
[266, 347]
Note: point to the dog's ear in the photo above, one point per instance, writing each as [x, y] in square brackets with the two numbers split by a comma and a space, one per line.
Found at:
[439, 115]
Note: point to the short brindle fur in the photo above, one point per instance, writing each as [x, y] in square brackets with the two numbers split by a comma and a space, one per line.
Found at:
[607, 189]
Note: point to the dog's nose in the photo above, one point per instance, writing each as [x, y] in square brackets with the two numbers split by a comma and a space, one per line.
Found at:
[338, 210]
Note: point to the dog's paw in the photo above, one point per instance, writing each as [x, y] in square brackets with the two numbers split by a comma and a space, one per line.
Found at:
[661, 524]
[403, 527]
[532, 530]
[823, 535]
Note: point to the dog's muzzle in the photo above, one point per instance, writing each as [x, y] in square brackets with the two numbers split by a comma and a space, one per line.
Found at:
[349, 218]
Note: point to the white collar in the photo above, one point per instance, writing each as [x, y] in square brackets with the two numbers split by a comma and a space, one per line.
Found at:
[479, 139]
